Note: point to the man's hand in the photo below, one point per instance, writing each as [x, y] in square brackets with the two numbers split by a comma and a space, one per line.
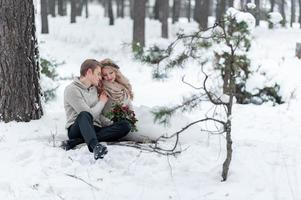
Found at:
[103, 97]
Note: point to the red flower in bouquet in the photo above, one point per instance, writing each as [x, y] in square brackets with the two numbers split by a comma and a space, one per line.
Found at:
[123, 112]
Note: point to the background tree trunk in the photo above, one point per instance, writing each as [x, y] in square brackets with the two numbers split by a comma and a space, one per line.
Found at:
[293, 12]
[298, 50]
[139, 22]
[157, 10]
[188, 10]
[220, 10]
[299, 13]
[20, 92]
[272, 10]
[258, 13]
[282, 11]
[231, 3]
[86, 8]
[164, 17]
[110, 12]
[73, 11]
[79, 7]
[132, 8]
[197, 15]
[272, 5]
[205, 7]
[176, 11]
[44, 16]
[51, 7]
[122, 9]
[62, 7]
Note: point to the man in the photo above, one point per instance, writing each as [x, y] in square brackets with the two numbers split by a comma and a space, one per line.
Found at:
[83, 107]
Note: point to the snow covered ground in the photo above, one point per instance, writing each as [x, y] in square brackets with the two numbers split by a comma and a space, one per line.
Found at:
[266, 158]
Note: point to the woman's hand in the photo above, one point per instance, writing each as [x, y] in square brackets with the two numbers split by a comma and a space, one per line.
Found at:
[103, 97]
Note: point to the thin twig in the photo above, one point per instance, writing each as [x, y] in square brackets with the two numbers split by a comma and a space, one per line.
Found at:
[78, 178]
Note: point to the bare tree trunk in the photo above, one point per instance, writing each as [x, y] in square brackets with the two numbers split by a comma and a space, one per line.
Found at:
[298, 49]
[86, 6]
[257, 14]
[272, 5]
[79, 7]
[293, 12]
[230, 85]
[62, 7]
[110, 12]
[188, 10]
[73, 11]
[272, 10]
[157, 10]
[220, 10]
[282, 11]
[139, 23]
[51, 7]
[242, 4]
[176, 11]
[197, 15]
[204, 13]
[44, 16]
[122, 9]
[164, 17]
[132, 8]
[231, 3]
[299, 13]
[20, 92]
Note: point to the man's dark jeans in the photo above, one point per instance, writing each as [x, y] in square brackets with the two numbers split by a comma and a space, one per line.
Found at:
[83, 130]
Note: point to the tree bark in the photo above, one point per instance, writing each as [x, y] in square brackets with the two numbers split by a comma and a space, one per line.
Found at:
[272, 5]
[44, 17]
[257, 14]
[139, 23]
[157, 10]
[132, 2]
[73, 11]
[164, 17]
[110, 12]
[197, 15]
[188, 10]
[62, 8]
[282, 11]
[205, 7]
[299, 13]
[242, 4]
[87, 9]
[293, 12]
[51, 6]
[79, 7]
[231, 3]
[272, 10]
[298, 49]
[220, 10]
[176, 11]
[20, 92]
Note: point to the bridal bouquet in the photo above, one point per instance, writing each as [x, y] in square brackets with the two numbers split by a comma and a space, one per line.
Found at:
[122, 112]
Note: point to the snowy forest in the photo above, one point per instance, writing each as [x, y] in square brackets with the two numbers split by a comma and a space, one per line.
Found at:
[212, 89]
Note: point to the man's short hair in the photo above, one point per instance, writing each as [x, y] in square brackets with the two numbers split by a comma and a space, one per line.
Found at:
[88, 64]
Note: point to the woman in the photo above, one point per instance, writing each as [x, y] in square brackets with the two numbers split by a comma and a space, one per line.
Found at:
[116, 86]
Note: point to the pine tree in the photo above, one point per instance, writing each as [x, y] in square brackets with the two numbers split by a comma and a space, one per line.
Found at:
[20, 92]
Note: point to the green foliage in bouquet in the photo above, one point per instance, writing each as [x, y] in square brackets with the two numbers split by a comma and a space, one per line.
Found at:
[122, 112]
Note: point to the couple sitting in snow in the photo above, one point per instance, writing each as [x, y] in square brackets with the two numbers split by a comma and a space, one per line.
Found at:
[89, 98]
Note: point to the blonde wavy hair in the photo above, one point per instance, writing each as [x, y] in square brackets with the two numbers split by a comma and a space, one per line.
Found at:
[120, 78]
